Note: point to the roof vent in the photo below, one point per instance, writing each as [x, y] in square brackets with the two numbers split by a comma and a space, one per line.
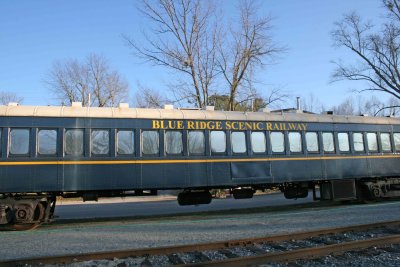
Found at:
[210, 108]
[13, 104]
[123, 105]
[364, 115]
[168, 106]
[266, 110]
[76, 104]
[329, 112]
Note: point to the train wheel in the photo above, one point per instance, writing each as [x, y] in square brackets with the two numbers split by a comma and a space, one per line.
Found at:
[38, 216]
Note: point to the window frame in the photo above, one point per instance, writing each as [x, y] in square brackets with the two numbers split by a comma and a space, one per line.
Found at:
[289, 143]
[65, 142]
[165, 143]
[283, 152]
[390, 142]
[394, 141]
[333, 142]
[348, 143]
[377, 142]
[10, 154]
[265, 143]
[245, 142]
[363, 142]
[38, 142]
[226, 142]
[91, 142]
[318, 142]
[204, 143]
[117, 130]
[142, 143]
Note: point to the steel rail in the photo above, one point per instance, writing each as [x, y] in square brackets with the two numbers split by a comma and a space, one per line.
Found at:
[299, 254]
[65, 259]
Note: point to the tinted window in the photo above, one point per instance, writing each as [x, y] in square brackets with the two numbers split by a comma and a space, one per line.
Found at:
[385, 141]
[295, 142]
[196, 142]
[258, 142]
[343, 139]
[358, 139]
[125, 142]
[312, 142]
[173, 142]
[47, 142]
[277, 142]
[74, 142]
[372, 142]
[100, 142]
[327, 141]
[238, 142]
[218, 141]
[19, 141]
[396, 137]
[150, 142]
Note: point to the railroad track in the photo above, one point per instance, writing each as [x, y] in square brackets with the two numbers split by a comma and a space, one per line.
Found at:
[244, 252]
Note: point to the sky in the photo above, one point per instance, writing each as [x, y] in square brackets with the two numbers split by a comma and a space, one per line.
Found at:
[34, 34]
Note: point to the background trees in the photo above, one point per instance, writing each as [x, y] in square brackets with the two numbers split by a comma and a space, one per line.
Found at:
[8, 97]
[211, 55]
[377, 51]
[74, 81]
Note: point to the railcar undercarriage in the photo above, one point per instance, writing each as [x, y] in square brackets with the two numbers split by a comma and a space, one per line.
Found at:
[25, 212]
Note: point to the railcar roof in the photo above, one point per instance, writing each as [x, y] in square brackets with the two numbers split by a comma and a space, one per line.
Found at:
[176, 114]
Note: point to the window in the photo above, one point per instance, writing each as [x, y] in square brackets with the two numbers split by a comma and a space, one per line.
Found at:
[238, 142]
[173, 142]
[0, 139]
[385, 141]
[196, 142]
[125, 142]
[358, 139]
[328, 143]
[295, 142]
[74, 142]
[47, 142]
[312, 142]
[258, 142]
[396, 137]
[100, 142]
[344, 145]
[19, 141]
[218, 141]
[150, 143]
[372, 142]
[277, 142]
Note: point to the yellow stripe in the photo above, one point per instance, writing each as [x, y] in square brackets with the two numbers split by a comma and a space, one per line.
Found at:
[164, 161]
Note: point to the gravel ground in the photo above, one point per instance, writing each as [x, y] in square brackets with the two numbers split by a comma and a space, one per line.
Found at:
[81, 238]
[388, 256]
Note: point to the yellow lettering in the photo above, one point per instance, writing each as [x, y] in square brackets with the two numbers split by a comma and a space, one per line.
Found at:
[304, 126]
[276, 126]
[249, 125]
[292, 126]
[179, 125]
[218, 125]
[233, 125]
[269, 126]
[211, 125]
[228, 125]
[156, 124]
[258, 126]
[190, 125]
[241, 125]
[171, 124]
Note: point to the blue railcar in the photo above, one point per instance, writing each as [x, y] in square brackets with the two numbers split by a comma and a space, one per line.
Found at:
[103, 152]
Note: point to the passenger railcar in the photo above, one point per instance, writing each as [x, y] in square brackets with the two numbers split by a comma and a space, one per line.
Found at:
[102, 152]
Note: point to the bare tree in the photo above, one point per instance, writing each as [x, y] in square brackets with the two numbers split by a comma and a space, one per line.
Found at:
[74, 81]
[190, 37]
[9, 97]
[250, 47]
[182, 39]
[377, 50]
[149, 98]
